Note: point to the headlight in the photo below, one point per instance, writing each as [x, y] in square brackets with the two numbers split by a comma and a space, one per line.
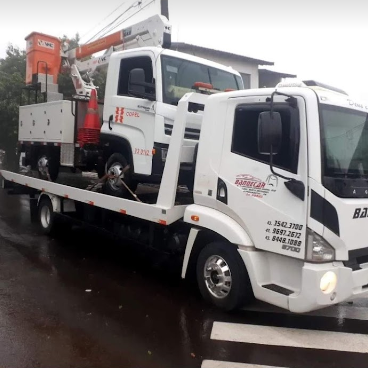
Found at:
[328, 282]
[318, 250]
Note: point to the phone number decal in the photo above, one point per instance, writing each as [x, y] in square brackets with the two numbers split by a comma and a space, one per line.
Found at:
[286, 233]
[286, 225]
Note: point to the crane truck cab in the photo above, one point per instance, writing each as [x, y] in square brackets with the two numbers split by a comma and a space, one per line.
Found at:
[138, 119]
[145, 81]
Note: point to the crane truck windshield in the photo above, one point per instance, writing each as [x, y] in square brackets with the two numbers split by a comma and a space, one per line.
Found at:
[180, 77]
[344, 135]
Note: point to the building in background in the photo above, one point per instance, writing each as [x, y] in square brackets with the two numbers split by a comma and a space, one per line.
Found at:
[270, 78]
[249, 68]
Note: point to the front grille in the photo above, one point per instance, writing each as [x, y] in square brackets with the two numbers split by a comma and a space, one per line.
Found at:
[190, 133]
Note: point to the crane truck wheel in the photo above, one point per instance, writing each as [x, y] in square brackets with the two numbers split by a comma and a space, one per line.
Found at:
[222, 276]
[114, 186]
[48, 167]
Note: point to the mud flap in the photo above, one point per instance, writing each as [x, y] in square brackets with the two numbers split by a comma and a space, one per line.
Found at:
[33, 207]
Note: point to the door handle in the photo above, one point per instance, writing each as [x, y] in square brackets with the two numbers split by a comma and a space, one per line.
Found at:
[110, 121]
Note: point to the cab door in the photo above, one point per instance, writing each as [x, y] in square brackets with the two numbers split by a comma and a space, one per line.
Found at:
[129, 117]
[274, 216]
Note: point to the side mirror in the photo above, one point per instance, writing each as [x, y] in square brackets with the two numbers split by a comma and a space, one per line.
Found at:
[269, 133]
[138, 87]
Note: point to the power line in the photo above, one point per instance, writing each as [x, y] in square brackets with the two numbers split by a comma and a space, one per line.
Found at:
[124, 20]
[112, 26]
[104, 19]
[107, 28]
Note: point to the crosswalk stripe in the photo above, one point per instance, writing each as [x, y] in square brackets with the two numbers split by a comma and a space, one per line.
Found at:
[281, 336]
[338, 311]
[221, 364]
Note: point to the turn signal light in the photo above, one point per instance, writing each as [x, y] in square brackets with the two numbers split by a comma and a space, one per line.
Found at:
[195, 218]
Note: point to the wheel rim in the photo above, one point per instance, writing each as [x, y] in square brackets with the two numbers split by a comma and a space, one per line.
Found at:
[115, 171]
[45, 217]
[43, 164]
[217, 277]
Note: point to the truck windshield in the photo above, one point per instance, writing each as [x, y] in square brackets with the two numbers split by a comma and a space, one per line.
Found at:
[179, 76]
[344, 141]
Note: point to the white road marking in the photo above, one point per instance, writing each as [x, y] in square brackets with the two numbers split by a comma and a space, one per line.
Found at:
[281, 336]
[220, 364]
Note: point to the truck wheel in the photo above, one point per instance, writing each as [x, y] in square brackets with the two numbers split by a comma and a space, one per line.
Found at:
[115, 164]
[46, 216]
[51, 164]
[222, 276]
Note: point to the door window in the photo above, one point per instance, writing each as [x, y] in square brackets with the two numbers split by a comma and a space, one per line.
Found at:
[127, 65]
[245, 135]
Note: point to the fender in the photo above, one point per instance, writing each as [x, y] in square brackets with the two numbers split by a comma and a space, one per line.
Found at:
[218, 222]
[126, 144]
[59, 205]
[55, 201]
[117, 142]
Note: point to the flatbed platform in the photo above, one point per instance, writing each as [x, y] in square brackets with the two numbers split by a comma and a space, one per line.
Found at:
[73, 187]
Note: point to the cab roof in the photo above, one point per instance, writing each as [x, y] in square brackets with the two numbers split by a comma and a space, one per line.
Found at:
[161, 51]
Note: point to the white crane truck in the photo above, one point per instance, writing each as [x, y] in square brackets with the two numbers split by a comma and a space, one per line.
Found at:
[145, 81]
[280, 198]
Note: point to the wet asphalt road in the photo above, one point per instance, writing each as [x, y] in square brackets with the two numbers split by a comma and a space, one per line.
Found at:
[82, 300]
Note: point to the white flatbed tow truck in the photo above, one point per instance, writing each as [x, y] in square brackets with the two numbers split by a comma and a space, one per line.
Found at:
[279, 204]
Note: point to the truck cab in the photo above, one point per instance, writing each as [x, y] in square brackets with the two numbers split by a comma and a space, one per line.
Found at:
[138, 119]
[298, 219]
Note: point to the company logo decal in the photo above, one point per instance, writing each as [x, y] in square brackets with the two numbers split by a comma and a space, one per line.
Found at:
[272, 180]
[255, 187]
[132, 114]
[46, 44]
[360, 213]
[119, 115]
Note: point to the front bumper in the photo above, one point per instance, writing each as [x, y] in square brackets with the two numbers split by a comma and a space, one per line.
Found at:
[302, 280]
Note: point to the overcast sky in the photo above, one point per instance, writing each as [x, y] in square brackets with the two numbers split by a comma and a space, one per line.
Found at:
[323, 40]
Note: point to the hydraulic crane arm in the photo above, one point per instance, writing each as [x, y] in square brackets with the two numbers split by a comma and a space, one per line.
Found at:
[154, 31]
[45, 54]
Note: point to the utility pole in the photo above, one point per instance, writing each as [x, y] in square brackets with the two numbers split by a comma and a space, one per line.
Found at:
[165, 8]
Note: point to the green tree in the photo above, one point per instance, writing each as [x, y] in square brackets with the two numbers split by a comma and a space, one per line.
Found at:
[66, 86]
[12, 76]
[12, 79]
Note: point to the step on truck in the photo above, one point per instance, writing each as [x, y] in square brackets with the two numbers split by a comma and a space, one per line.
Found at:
[145, 80]
[279, 205]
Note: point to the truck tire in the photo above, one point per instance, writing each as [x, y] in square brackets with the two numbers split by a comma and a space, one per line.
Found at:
[46, 216]
[115, 164]
[222, 276]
